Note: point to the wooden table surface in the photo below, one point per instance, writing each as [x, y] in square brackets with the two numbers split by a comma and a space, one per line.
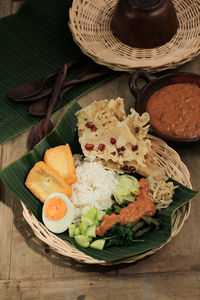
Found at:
[30, 270]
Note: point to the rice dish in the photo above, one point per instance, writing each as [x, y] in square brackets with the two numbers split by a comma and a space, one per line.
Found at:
[93, 187]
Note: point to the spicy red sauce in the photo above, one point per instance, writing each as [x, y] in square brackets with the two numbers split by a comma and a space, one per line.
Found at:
[133, 212]
[175, 110]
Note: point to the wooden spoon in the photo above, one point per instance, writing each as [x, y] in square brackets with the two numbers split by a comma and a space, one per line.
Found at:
[31, 88]
[38, 132]
[30, 91]
[39, 107]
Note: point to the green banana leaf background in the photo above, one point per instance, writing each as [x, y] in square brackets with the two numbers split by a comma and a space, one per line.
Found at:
[33, 43]
[15, 174]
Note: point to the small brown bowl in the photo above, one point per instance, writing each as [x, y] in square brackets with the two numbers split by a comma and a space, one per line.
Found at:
[154, 83]
[144, 23]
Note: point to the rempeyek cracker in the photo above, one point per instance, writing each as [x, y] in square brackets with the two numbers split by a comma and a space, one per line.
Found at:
[120, 141]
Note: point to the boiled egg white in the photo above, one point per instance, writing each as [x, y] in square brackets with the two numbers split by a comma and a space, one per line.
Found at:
[58, 212]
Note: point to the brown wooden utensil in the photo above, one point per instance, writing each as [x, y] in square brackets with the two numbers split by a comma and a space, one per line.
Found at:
[32, 91]
[38, 132]
[39, 108]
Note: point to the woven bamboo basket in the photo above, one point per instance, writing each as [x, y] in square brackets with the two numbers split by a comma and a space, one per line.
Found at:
[89, 22]
[170, 162]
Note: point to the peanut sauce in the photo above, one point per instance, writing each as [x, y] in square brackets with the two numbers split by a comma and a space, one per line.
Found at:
[175, 110]
[133, 212]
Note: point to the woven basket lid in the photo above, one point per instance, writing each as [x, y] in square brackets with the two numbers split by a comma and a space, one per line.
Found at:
[170, 162]
[89, 22]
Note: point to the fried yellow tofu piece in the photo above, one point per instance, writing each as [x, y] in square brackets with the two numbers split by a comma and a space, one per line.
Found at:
[61, 160]
[42, 181]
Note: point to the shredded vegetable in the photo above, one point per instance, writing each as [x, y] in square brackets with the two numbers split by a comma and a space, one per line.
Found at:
[162, 193]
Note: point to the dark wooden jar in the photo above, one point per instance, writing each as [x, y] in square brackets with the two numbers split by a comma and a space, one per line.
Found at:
[144, 23]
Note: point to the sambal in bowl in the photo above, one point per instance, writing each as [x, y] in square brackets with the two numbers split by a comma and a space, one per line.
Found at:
[173, 103]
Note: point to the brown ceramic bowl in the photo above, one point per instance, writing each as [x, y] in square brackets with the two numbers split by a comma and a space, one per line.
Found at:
[154, 83]
[144, 23]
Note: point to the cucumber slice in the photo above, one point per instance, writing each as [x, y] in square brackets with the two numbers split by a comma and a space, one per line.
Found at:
[82, 240]
[98, 244]
[86, 221]
[82, 228]
[76, 231]
[72, 230]
[100, 214]
[91, 213]
[91, 231]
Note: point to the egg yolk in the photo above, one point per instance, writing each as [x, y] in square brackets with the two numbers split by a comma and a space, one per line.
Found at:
[55, 208]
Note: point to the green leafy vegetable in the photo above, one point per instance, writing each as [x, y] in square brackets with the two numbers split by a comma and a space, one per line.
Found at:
[109, 211]
[125, 190]
[128, 234]
[120, 235]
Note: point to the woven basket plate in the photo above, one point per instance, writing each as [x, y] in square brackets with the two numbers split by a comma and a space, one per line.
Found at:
[90, 26]
[170, 162]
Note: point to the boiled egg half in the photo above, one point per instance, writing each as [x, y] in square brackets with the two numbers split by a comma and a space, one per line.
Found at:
[58, 212]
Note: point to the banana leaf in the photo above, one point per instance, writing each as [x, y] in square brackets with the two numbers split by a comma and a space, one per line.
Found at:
[15, 174]
[35, 42]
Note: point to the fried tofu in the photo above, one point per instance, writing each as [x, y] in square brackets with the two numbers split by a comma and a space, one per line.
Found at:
[61, 160]
[42, 181]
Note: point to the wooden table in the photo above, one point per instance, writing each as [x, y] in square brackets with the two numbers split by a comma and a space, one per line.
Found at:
[30, 270]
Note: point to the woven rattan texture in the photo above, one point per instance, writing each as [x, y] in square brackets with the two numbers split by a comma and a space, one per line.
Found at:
[90, 26]
[170, 162]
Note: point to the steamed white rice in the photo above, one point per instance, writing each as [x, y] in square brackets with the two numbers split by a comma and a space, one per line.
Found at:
[93, 187]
